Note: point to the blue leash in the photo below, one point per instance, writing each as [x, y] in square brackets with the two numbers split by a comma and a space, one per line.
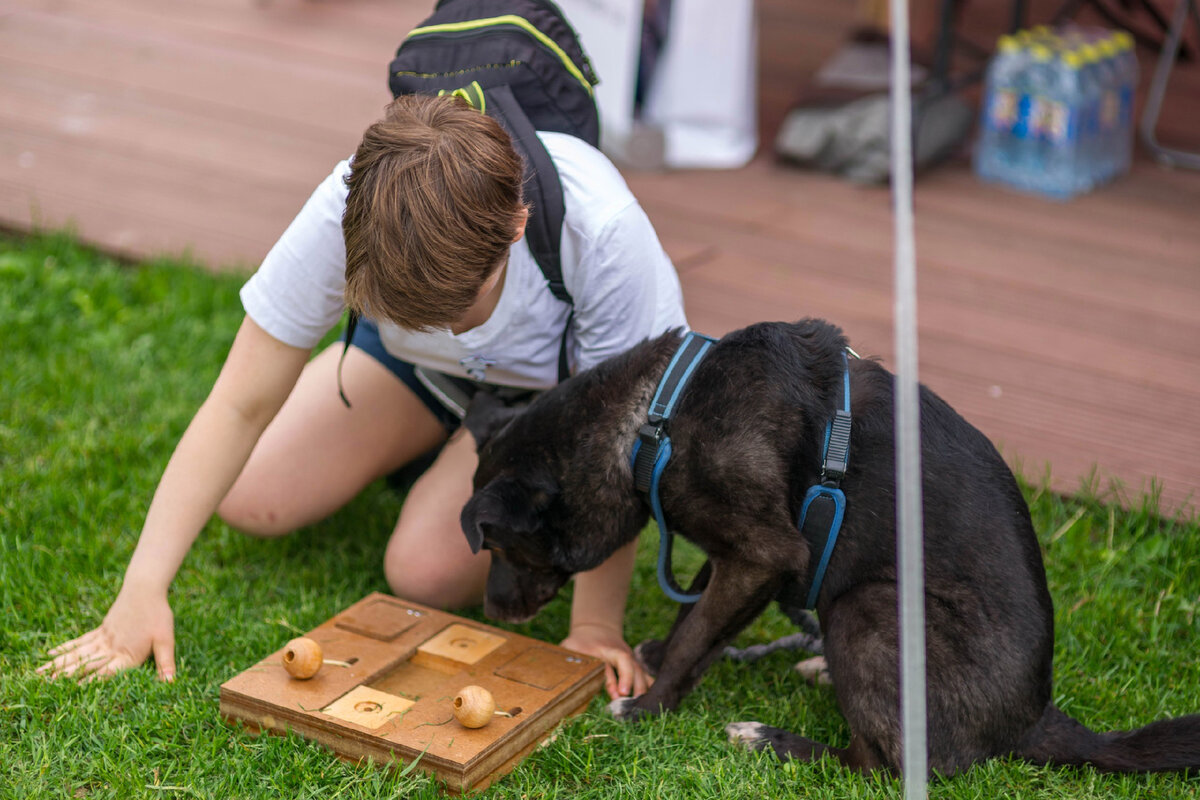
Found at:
[825, 500]
[824, 504]
[652, 451]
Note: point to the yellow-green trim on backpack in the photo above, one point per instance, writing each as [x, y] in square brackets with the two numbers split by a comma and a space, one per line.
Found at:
[465, 94]
[509, 19]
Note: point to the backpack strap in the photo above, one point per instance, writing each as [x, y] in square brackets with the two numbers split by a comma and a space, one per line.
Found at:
[544, 190]
[351, 325]
[541, 180]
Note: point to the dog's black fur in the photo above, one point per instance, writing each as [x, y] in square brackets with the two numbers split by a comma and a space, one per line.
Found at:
[554, 496]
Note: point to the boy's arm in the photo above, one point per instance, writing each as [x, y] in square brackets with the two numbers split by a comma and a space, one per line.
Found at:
[257, 377]
[597, 623]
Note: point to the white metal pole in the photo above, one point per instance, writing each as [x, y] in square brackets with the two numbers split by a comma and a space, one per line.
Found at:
[908, 444]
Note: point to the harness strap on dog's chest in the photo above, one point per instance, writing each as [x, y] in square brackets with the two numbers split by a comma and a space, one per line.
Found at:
[652, 450]
[825, 503]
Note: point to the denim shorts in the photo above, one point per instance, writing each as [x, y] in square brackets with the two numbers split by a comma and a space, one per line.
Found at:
[366, 338]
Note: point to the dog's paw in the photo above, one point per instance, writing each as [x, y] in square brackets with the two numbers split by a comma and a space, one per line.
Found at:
[627, 710]
[815, 670]
[623, 708]
[649, 655]
[749, 734]
[786, 745]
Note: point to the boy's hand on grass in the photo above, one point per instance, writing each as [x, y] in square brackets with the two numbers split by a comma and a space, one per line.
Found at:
[623, 675]
[132, 631]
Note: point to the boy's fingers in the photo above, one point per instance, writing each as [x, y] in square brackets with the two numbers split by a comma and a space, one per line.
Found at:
[64, 664]
[77, 665]
[111, 668]
[164, 659]
[68, 654]
[91, 664]
[78, 641]
[610, 681]
[107, 666]
[118, 662]
[641, 681]
[625, 674]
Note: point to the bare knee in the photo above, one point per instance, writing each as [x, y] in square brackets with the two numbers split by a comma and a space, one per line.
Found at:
[253, 516]
[432, 576]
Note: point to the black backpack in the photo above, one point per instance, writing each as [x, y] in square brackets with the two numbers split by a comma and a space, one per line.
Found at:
[520, 62]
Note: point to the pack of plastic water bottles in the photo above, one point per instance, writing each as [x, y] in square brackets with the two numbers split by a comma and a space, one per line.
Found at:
[1057, 114]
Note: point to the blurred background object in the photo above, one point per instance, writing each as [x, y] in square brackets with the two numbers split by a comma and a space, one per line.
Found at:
[1067, 332]
[678, 79]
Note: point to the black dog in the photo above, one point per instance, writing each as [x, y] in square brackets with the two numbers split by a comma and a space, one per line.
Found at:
[555, 496]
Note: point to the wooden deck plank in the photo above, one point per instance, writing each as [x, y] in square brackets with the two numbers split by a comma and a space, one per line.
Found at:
[1068, 332]
[1115, 310]
[282, 86]
[358, 33]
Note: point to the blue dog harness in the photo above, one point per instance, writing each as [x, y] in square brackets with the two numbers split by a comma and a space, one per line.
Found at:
[652, 451]
[824, 505]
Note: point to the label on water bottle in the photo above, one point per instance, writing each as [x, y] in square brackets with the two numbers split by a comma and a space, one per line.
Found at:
[1041, 117]
[1053, 121]
[1063, 125]
[1110, 109]
[1022, 126]
[1002, 111]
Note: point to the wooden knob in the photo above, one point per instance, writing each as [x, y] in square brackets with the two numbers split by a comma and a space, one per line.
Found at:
[474, 706]
[302, 658]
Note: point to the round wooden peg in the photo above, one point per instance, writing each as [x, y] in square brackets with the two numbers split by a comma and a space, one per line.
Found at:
[302, 658]
[474, 706]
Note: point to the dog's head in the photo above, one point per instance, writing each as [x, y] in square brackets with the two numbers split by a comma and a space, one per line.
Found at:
[509, 515]
[506, 516]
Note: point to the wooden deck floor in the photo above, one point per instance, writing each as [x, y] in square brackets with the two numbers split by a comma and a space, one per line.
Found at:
[1067, 332]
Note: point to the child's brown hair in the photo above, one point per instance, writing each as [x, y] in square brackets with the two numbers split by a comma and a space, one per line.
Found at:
[434, 204]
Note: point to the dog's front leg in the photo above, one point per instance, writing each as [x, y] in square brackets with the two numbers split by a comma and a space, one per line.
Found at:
[651, 652]
[735, 595]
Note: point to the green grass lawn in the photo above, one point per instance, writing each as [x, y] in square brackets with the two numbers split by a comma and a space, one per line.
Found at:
[102, 366]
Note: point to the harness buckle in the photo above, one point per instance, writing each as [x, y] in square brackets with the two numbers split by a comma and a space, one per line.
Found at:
[649, 441]
[837, 458]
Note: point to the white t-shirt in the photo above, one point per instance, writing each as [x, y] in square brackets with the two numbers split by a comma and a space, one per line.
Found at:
[624, 286]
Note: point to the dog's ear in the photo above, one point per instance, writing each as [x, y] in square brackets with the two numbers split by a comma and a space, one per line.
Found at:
[473, 525]
[486, 415]
[505, 508]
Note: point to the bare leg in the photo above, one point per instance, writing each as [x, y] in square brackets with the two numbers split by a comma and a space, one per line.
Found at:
[428, 559]
[317, 454]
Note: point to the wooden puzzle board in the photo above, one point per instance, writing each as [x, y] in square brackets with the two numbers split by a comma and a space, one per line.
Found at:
[394, 700]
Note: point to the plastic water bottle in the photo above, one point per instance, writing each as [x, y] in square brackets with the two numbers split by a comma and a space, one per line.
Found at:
[1057, 115]
[1105, 88]
[1080, 90]
[1066, 165]
[1094, 162]
[1041, 167]
[996, 155]
[1127, 72]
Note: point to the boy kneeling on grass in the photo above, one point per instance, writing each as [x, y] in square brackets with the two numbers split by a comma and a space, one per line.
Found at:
[421, 233]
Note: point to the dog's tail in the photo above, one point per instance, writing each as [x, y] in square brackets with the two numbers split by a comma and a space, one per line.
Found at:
[1169, 745]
